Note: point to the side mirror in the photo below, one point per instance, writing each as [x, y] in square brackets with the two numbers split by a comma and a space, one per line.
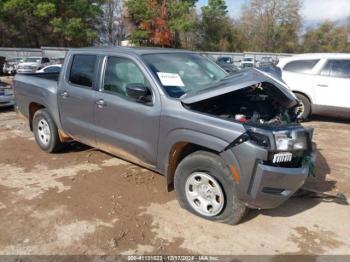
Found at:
[139, 92]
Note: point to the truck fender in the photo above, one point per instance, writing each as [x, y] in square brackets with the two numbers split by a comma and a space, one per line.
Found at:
[178, 139]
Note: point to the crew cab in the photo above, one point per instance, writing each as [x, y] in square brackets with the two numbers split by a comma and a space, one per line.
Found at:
[225, 142]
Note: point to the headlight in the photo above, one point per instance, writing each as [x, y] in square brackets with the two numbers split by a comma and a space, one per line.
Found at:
[290, 140]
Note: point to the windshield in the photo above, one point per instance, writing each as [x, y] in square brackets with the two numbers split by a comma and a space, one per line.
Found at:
[180, 73]
[30, 59]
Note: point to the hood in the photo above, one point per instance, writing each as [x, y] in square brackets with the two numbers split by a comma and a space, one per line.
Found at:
[239, 81]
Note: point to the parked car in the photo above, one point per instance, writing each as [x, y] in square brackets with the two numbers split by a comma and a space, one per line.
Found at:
[320, 81]
[225, 142]
[6, 96]
[248, 62]
[10, 66]
[32, 64]
[50, 69]
[224, 60]
[267, 61]
[226, 63]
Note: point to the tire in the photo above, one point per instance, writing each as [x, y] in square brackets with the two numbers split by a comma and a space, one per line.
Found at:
[46, 132]
[209, 167]
[305, 108]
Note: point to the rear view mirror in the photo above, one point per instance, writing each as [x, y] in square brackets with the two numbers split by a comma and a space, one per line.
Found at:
[139, 92]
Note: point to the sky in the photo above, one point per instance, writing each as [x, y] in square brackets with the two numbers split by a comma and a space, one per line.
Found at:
[312, 11]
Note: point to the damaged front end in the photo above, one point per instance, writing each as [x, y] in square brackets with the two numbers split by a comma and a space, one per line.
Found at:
[275, 153]
[252, 98]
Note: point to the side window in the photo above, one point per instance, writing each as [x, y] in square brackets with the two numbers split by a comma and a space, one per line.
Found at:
[120, 72]
[340, 68]
[301, 66]
[82, 70]
[52, 69]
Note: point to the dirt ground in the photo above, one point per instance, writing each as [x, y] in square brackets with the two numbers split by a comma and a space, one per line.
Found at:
[84, 201]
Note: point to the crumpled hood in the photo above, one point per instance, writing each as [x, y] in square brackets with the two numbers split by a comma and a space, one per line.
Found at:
[239, 81]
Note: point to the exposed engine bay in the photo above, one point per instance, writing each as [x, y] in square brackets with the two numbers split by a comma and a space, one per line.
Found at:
[260, 104]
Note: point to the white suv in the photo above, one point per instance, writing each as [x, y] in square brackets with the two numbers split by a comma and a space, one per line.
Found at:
[320, 81]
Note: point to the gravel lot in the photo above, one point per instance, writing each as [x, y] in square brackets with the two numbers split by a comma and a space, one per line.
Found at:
[84, 201]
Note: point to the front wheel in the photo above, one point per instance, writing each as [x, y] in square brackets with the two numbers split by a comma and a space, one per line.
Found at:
[205, 187]
[304, 109]
[46, 132]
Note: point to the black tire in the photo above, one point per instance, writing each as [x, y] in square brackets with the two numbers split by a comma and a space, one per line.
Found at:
[53, 143]
[211, 164]
[306, 105]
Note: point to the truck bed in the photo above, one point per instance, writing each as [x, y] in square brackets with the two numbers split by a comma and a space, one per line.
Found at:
[40, 88]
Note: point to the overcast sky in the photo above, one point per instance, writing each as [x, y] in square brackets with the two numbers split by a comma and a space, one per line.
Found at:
[313, 11]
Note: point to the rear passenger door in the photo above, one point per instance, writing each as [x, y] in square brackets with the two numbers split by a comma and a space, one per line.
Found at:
[332, 85]
[76, 98]
[126, 127]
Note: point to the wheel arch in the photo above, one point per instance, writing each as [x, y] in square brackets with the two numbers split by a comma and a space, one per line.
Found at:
[308, 97]
[182, 142]
[177, 153]
[304, 94]
[32, 109]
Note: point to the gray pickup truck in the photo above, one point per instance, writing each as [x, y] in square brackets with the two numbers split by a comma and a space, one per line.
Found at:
[226, 143]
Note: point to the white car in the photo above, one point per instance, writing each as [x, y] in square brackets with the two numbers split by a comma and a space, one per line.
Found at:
[320, 81]
[248, 62]
[31, 64]
[50, 69]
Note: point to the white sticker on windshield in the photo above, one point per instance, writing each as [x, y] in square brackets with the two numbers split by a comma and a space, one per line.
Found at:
[169, 79]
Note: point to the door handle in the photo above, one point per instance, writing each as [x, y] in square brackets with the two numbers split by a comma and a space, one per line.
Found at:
[100, 103]
[322, 85]
[64, 94]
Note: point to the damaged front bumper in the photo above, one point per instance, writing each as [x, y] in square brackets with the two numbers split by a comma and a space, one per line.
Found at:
[264, 182]
[270, 186]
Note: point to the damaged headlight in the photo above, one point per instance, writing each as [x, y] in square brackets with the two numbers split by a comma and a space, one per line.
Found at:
[290, 140]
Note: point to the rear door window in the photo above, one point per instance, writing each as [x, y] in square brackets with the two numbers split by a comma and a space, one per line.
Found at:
[301, 66]
[340, 68]
[82, 71]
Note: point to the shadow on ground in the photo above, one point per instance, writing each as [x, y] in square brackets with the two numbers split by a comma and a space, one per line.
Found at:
[340, 119]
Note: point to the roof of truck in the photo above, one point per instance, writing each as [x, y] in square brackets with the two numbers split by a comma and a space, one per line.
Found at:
[130, 50]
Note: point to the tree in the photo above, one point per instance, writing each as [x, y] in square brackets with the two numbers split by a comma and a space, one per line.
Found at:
[271, 25]
[113, 26]
[160, 22]
[35, 23]
[328, 37]
[217, 32]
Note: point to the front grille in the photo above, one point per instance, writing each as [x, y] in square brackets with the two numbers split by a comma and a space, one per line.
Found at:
[295, 162]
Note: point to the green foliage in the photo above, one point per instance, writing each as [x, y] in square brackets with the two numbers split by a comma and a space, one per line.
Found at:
[328, 37]
[217, 32]
[45, 10]
[265, 25]
[35, 23]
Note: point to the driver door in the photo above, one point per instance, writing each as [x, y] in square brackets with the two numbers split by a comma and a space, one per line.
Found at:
[126, 127]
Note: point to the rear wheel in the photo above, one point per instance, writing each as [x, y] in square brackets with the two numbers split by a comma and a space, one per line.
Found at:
[46, 132]
[204, 187]
[304, 109]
